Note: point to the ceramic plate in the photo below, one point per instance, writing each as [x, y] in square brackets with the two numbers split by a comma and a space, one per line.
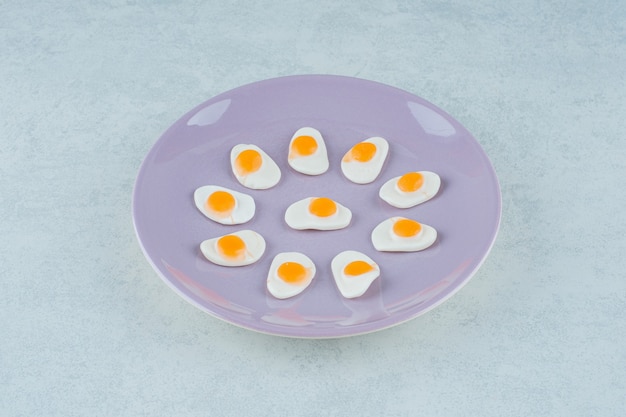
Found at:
[195, 150]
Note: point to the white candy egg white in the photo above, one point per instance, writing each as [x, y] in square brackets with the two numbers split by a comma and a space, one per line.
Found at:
[385, 240]
[390, 192]
[299, 217]
[265, 177]
[255, 247]
[353, 286]
[242, 212]
[366, 172]
[282, 289]
[314, 164]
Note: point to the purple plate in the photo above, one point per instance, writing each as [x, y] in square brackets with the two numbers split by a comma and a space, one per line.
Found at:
[195, 152]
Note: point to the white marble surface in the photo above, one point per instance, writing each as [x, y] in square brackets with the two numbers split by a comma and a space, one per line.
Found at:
[89, 329]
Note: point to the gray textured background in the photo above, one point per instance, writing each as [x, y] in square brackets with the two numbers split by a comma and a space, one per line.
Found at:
[89, 329]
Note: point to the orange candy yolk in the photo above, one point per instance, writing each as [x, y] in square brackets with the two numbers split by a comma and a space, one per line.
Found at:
[304, 146]
[292, 272]
[231, 246]
[406, 228]
[357, 268]
[248, 161]
[221, 202]
[322, 207]
[361, 152]
[410, 182]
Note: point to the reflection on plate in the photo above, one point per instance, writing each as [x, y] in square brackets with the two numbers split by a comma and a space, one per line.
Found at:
[194, 152]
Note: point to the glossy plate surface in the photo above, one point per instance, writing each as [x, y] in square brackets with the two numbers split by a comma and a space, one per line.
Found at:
[195, 150]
